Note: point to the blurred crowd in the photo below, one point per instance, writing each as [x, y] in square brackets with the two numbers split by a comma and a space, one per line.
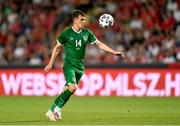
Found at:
[147, 30]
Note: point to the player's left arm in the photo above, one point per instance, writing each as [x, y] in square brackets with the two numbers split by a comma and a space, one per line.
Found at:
[108, 49]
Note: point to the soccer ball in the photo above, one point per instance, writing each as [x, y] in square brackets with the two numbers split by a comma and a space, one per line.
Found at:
[106, 21]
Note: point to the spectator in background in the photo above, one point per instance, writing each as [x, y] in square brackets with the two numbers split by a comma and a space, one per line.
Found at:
[140, 27]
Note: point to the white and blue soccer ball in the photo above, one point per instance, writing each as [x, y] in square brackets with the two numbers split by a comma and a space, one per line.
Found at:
[106, 20]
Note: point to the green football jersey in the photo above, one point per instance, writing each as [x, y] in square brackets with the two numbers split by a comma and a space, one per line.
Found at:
[75, 44]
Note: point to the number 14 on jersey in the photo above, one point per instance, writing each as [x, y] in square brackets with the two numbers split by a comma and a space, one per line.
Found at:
[78, 43]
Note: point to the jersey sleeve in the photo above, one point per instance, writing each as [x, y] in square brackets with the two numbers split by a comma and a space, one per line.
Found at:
[62, 38]
[92, 38]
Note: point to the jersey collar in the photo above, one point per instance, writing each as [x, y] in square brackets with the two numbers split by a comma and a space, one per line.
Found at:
[76, 31]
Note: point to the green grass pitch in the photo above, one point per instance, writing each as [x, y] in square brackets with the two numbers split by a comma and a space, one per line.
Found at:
[92, 111]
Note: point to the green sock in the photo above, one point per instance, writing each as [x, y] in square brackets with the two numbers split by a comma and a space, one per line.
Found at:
[55, 103]
[64, 97]
[53, 106]
[61, 99]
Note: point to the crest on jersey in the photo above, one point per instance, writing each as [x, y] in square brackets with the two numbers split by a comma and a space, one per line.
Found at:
[85, 37]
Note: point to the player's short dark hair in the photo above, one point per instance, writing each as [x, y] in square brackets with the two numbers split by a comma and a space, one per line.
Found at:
[76, 13]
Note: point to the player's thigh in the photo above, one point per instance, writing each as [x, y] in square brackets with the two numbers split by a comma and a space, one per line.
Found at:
[78, 75]
[69, 74]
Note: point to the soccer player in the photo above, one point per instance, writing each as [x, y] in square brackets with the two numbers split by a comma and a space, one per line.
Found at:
[75, 40]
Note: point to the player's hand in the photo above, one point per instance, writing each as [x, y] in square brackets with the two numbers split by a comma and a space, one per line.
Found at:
[48, 68]
[123, 55]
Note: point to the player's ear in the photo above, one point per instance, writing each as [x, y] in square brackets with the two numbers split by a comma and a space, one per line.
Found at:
[75, 19]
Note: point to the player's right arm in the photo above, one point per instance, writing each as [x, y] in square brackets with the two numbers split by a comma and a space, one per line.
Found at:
[54, 54]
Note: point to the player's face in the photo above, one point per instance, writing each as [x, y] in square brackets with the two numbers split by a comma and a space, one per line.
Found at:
[80, 21]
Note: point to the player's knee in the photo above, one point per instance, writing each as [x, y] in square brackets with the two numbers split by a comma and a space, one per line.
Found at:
[72, 88]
